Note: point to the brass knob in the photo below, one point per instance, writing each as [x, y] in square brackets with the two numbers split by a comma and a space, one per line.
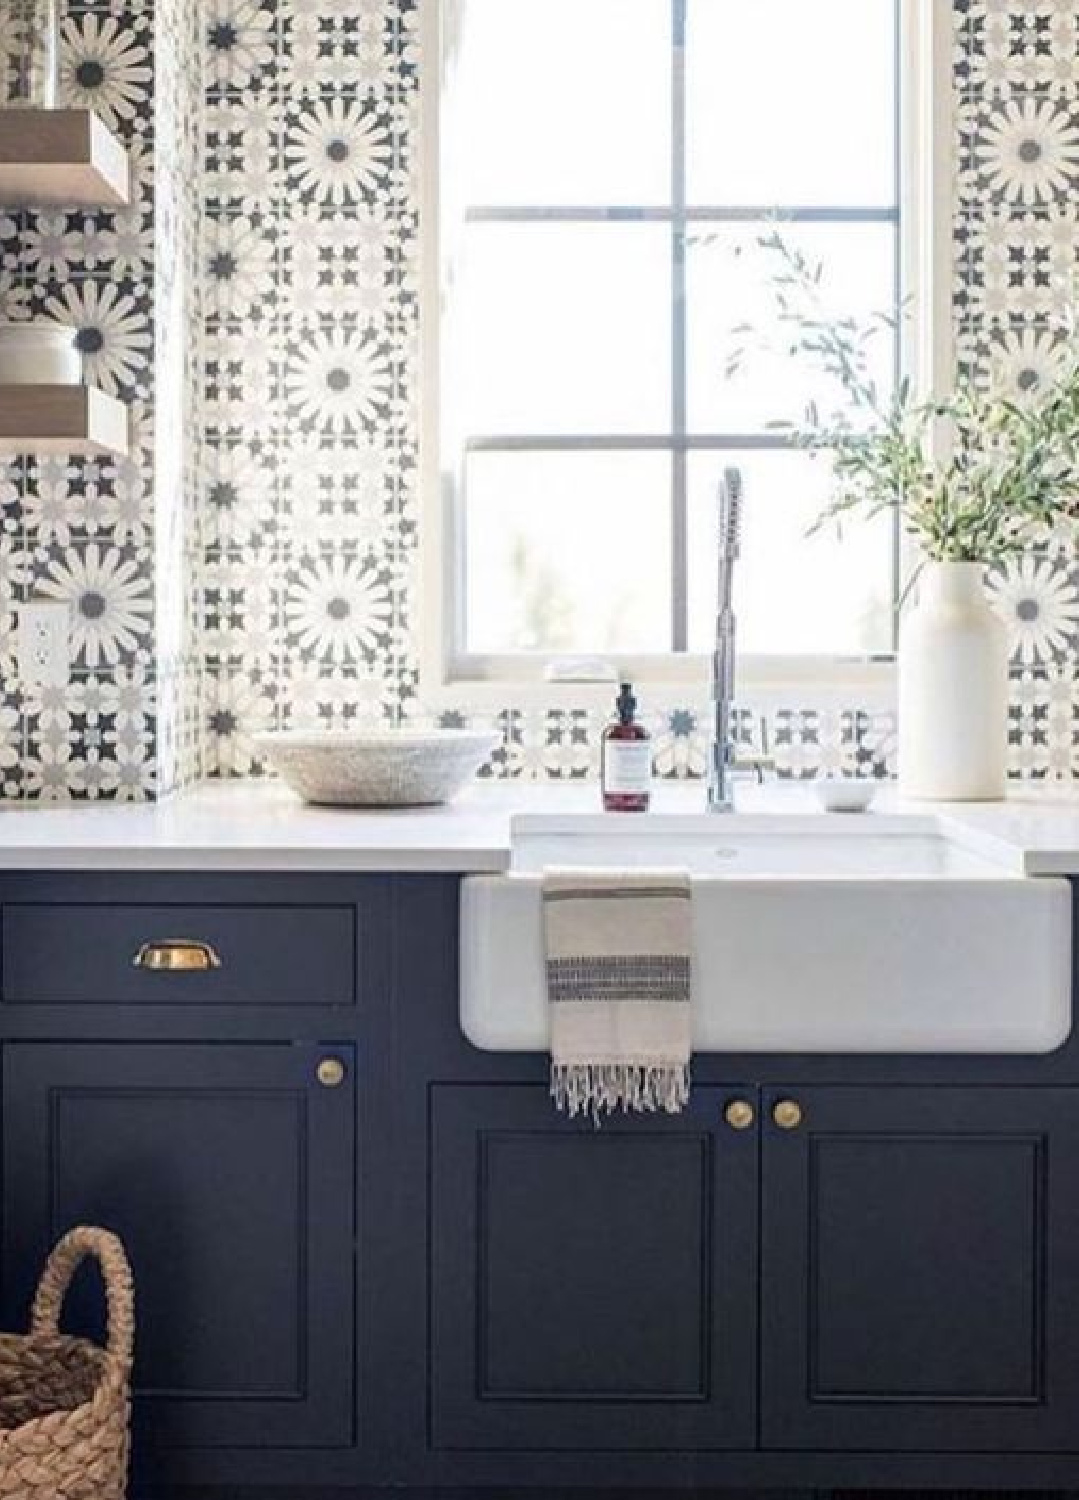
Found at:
[330, 1072]
[787, 1113]
[739, 1114]
[177, 956]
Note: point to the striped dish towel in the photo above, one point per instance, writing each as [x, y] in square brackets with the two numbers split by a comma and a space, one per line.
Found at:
[618, 949]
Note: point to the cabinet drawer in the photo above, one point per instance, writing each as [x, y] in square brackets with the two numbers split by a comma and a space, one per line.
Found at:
[255, 955]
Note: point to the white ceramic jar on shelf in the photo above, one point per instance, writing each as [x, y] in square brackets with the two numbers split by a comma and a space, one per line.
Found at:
[952, 689]
[39, 353]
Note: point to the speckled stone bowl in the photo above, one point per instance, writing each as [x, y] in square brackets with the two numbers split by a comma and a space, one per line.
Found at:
[378, 768]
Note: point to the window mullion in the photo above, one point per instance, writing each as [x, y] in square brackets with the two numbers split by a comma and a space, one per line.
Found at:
[695, 446]
[679, 466]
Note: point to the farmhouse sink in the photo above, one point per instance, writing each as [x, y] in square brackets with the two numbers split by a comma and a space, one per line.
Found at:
[810, 935]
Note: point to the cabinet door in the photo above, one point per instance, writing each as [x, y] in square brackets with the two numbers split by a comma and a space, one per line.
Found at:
[591, 1288]
[920, 1264]
[228, 1171]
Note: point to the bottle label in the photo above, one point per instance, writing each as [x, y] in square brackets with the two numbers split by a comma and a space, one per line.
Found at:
[627, 766]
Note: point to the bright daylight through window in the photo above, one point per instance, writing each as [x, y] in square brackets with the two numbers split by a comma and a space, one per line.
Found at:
[607, 168]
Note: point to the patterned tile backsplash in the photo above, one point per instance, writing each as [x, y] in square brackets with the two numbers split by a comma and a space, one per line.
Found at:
[254, 563]
[107, 537]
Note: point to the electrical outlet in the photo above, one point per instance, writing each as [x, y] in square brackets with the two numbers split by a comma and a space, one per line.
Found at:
[45, 644]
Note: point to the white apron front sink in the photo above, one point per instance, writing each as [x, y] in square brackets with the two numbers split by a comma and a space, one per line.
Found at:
[875, 936]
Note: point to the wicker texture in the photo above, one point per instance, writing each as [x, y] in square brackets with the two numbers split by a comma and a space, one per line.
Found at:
[65, 1402]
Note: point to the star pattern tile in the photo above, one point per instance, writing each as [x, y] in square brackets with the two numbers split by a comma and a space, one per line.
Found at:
[254, 564]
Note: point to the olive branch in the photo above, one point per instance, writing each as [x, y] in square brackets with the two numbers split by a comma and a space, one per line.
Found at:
[974, 475]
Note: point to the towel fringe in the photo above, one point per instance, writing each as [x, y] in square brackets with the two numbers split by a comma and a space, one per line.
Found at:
[601, 1088]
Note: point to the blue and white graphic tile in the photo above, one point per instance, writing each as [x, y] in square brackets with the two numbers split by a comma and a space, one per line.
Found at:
[277, 224]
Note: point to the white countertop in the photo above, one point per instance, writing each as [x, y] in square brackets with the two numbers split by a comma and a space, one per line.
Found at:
[262, 826]
[255, 825]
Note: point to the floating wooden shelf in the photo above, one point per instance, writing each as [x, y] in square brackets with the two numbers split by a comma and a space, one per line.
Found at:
[61, 156]
[61, 419]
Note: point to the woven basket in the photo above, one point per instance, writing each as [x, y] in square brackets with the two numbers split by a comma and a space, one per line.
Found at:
[64, 1402]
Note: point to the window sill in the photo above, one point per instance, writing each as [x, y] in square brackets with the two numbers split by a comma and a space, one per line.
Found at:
[762, 683]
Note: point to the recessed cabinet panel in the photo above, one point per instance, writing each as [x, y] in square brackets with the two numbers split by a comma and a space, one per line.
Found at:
[184, 1151]
[556, 1221]
[959, 1320]
[228, 1172]
[590, 1288]
[918, 1251]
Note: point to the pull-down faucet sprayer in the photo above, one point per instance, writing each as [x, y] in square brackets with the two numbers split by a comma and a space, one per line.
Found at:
[721, 749]
[723, 763]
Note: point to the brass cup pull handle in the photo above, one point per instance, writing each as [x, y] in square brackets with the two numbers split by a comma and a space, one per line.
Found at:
[330, 1072]
[177, 956]
[739, 1114]
[787, 1113]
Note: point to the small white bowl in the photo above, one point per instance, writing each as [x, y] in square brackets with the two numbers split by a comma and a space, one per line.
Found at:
[844, 794]
[377, 768]
[39, 353]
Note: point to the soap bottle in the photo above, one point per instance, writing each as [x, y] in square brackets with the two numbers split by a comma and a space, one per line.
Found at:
[626, 758]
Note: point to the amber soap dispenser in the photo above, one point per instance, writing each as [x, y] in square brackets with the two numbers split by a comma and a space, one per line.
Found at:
[626, 758]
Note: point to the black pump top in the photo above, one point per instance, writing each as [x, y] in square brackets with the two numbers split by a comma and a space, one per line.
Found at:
[626, 704]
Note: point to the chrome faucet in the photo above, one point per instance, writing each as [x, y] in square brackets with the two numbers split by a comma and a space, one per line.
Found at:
[721, 750]
[724, 765]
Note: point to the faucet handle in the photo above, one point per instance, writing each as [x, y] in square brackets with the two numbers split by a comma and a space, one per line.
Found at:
[759, 764]
[758, 767]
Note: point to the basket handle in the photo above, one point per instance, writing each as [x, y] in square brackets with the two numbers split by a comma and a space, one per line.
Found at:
[66, 1258]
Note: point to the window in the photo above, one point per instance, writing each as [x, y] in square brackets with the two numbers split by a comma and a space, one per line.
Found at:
[605, 170]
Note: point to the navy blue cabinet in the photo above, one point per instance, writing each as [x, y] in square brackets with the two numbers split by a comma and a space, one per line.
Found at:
[916, 1254]
[229, 1172]
[591, 1288]
[920, 1259]
[411, 1270]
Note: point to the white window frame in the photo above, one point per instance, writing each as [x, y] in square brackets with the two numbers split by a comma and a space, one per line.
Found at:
[926, 281]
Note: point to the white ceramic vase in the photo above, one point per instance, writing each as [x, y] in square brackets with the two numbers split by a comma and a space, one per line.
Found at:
[953, 689]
